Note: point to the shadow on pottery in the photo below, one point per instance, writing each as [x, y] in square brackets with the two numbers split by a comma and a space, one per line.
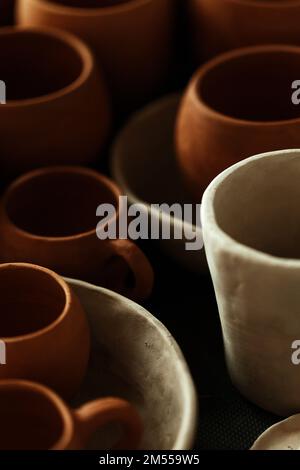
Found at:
[52, 347]
[235, 106]
[132, 39]
[143, 163]
[38, 419]
[57, 110]
[57, 229]
[221, 25]
[250, 216]
[134, 357]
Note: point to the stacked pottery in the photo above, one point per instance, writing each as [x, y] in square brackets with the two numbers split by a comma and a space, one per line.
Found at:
[132, 39]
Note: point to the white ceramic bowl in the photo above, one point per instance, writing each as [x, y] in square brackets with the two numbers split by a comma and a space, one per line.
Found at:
[135, 357]
[144, 165]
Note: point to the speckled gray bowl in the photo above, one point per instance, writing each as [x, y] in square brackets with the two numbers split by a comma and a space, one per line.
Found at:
[135, 357]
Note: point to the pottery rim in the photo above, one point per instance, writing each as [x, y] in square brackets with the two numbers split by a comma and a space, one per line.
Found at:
[125, 7]
[116, 163]
[186, 435]
[74, 43]
[210, 221]
[67, 296]
[103, 180]
[53, 398]
[193, 87]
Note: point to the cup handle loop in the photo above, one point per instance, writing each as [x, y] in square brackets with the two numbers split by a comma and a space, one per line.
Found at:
[95, 414]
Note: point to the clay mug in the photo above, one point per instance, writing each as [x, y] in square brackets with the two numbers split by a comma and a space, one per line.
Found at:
[235, 106]
[221, 25]
[250, 218]
[48, 217]
[33, 417]
[57, 109]
[43, 327]
[132, 39]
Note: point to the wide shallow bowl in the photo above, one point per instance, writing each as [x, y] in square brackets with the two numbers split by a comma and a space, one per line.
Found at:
[135, 357]
[144, 165]
[284, 435]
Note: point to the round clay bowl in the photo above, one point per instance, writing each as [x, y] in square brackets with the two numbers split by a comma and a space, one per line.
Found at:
[57, 108]
[135, 357]
[237, 105]
[132, 39]
[220, 25]
[142, 154]
[284, 435]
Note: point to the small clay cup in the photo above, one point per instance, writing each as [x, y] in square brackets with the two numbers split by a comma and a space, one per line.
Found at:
[48, 217]
[33, 417]
[235, 106]
[132, 39]
[250, 218]
[57, 109]
[221, 25]
[44, 328]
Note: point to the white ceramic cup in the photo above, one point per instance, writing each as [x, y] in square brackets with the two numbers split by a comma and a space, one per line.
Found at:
[251, 227]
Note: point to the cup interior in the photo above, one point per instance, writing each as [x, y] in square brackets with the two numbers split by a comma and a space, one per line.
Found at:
[258, 205]
[90, 3]
[58, 203]
[253, 86]
[29, 420]
[34, 64]
[30, 300]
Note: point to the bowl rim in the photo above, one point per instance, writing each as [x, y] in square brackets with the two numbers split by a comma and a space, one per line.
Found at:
[187, 432]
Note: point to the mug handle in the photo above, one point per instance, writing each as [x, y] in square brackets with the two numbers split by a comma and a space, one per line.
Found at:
[95, 414]
[139, 265]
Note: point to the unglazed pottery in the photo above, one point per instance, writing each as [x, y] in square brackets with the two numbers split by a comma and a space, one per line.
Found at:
[136, 358]
[235, 106]
[132, 39]
[221, 25]
[250, 218]
[142, 154]
[284, 435]
[33, 417]
[44, 328]
[57, 109]
[48, 217]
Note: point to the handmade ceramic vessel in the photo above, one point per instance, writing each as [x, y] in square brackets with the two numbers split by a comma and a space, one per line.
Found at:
[250, 216]
[57, 110]
[143, 153]
[281, 436]
[38, 419]
[221, 25]
[132, 39]
[237, 105]
[135, 357]
[43, 327]
[57, 229]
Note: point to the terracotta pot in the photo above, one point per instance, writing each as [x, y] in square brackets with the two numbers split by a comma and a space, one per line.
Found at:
[57, 229]
[235, 106]
[43, 327]
[57, 109]
[132, 39]
[33, 417]
[220, 25]
[6, 11]
[250, 217]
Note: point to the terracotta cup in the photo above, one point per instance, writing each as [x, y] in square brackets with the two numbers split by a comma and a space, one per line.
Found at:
[48, 217]
[33, 417]
[57, 108]
[132, 39]
[250, 218]
[237, 105]
[220, 25]
[43, 327]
